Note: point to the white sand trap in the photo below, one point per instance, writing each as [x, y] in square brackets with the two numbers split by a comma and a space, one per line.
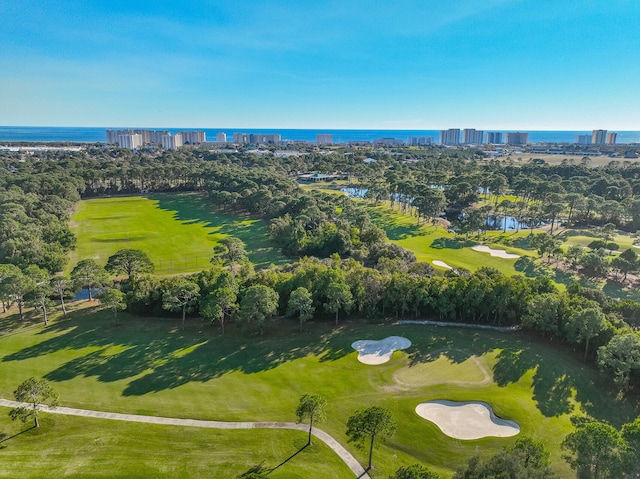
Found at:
[442, 264]
[499, 253]
[466, 420]
[378, 352]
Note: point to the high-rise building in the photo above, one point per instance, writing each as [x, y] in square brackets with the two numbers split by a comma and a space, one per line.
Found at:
[419, 140]
[241, 138]
[171, 142]
[146, 136]
[598, 137]
[130, 141]
[471, 136]
[388, 142]
[221, 137]
[153, 136]
[264, 139]
[583, 139]
[193, 137]
[450, 136]
[611, 138]
[516, 138]
[494, 138]
[324, 139]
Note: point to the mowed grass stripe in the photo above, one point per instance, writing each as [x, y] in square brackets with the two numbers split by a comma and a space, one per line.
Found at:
[177, 231]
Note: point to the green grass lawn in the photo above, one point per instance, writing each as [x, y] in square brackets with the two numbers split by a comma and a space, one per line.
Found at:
[153, 367]
[66, 446]
[177, 231]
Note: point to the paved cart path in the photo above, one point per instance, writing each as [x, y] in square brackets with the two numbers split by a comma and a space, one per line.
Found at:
[345, 455]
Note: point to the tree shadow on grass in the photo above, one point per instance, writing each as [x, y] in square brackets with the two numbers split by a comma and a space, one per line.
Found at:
[5, 437]
[558, 378]
[196, 209]
[615, 290]
[289, 458]
[168, 357]
[552, 387]
[161, 356]
[451, 243]
[394, 230]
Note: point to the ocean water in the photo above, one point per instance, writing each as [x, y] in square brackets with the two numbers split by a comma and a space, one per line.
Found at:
[97, 134]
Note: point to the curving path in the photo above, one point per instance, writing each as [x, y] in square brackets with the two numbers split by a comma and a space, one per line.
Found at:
[345, 455]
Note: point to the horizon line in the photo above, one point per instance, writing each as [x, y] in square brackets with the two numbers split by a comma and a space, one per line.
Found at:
[311, 128]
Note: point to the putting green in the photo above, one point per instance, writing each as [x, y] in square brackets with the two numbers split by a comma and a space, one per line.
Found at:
[443, 370]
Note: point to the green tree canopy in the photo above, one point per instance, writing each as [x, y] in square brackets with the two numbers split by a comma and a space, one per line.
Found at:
[230, 251]
[596, 450]
[414, 471]
[89, 274]
[526, 459]
[115, 300]
[35, 392]
[301, 303]
[179, 294]
[129, 262]
[338, 297]
[585, 324]
[370, 423]
[219, 305]
[311, 406]
[621, 356]
[258, 303]
[61, 285]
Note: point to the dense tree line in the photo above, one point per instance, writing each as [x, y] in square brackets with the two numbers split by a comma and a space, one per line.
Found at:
[331, 289]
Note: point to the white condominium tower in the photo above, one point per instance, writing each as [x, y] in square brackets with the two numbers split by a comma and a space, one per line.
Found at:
[471, 136]
[324, 139]
[450, 136]
[598, 137]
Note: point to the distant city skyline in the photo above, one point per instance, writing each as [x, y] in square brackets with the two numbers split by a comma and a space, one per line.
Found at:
[405, 65]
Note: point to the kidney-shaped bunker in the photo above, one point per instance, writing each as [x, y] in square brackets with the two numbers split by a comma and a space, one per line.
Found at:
[466, 420]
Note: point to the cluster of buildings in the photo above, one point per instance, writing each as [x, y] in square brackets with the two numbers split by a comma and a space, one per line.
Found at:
[455, 137]
[471, 136]
[597, 137]
[134, 139]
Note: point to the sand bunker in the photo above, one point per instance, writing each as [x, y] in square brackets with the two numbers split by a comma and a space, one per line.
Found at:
[442, 264]
[499, 253]
[378, 352]
[466, 420]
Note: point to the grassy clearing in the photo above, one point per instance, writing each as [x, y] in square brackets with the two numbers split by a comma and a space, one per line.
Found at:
[153, 367]
[177, 231]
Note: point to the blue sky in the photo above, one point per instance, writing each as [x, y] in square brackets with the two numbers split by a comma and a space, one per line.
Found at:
[403, 64]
